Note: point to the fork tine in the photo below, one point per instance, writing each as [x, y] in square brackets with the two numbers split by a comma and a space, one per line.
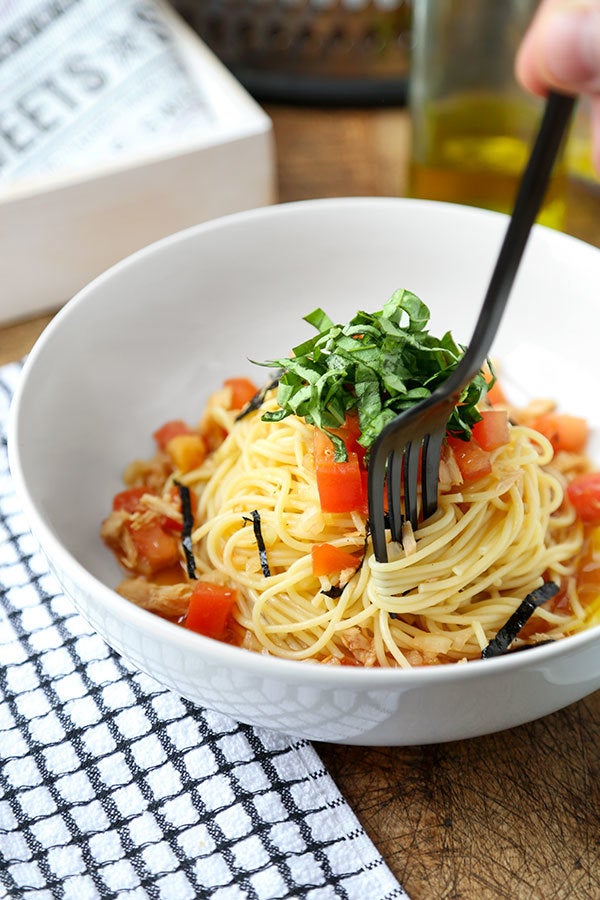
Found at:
[432, 450]
[411, 472]
[394, 485]
[376, 494]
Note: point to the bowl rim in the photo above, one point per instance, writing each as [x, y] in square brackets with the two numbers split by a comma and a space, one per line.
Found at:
[217, 652]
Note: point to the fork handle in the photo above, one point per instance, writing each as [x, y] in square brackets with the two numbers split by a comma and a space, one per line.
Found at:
[527, 204]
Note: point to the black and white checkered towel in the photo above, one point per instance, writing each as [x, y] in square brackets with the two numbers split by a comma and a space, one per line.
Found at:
[113, 787]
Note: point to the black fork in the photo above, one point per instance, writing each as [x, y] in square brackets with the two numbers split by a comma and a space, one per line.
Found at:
[411, 444]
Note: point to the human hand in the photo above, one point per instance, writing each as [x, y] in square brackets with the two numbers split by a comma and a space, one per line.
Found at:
[561, 51]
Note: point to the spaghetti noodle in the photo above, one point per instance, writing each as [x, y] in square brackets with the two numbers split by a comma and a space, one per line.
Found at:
[441, 599]
[276, 556]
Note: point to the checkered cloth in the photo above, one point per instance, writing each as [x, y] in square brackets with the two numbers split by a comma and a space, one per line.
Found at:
[113, 787]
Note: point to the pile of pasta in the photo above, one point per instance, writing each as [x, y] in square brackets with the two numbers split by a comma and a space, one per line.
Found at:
[441, 597]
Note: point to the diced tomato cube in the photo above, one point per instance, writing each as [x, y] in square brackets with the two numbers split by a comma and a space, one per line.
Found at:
[350, 433]
[492, 431]
[210, 608]
[155, 548]
[169, 430]
[340, 484]
[242, 391]
[328, 559]
[129, 500]
[584, 494]
[564, 432]
[472, 460]
[323, 447]
[186, 451]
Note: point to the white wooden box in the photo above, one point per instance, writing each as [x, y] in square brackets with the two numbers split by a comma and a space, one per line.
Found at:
[59, 232]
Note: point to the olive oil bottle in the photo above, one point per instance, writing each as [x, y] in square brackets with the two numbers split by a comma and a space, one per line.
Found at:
[474, 150]
[578, 154]
[472, 125]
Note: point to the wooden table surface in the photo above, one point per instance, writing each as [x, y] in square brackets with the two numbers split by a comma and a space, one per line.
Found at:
[511, 815]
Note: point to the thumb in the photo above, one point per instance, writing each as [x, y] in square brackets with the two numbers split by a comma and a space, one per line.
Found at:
[562, 48]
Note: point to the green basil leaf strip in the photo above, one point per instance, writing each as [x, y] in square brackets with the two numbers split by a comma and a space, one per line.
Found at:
[379, 363]
[319, 319]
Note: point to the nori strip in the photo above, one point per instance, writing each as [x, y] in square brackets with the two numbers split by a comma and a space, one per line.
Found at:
[262, 550]
[258, 398]
[188, 527]
[509, 631]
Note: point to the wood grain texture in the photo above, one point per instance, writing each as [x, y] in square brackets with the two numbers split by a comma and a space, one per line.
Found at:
[512, 815]
[340, 152]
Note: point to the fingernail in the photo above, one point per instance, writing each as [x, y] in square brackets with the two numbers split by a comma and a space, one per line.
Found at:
[571, 46]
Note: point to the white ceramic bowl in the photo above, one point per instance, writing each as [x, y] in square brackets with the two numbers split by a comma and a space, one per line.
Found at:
[152, 337]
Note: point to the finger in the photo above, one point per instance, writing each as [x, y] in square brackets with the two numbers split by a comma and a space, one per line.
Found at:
[527, 65]
[562, 48]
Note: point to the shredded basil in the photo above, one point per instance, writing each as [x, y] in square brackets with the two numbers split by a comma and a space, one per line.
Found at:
[378, 365]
